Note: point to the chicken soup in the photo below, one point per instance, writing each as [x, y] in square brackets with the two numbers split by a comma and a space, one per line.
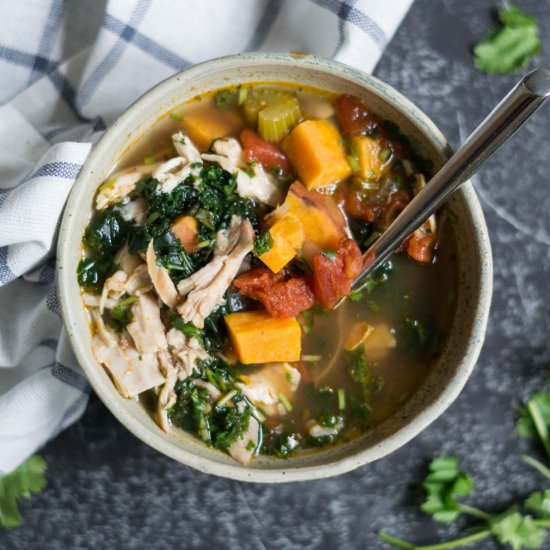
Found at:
[220, 244]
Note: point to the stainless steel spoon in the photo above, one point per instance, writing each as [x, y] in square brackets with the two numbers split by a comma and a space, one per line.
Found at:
[503, 121]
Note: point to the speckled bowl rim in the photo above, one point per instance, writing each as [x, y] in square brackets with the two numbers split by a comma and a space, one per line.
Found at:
[71, 303]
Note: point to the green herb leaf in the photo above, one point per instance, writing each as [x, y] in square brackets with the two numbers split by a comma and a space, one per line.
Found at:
[539, 503]
[330, 254]
[517, 530]
[91, 273]
[444, 482]
[524, 425]
[263, 243]
[121, 314]
[510, 47]
[24, 481]
[223, 98]
[359, 369]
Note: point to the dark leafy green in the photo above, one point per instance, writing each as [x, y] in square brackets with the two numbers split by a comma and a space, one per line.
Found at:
[107, 232]
[92, 272]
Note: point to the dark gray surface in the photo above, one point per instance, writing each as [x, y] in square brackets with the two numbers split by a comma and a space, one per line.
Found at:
[108, 490]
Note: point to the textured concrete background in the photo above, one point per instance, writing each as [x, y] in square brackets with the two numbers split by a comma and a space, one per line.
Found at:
[108, 490]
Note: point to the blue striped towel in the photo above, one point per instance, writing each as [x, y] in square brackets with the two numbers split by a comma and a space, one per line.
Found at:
[67, 70]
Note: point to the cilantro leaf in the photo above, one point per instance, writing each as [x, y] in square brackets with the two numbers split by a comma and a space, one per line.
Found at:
[525, 426]
[511, 47]
[24, 481]
[539, 503]
[444, 482]
[517, 530]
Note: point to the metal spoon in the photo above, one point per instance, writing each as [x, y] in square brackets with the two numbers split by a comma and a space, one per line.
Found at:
[503, 121]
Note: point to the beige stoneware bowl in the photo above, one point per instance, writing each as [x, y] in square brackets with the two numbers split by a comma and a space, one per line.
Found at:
[474, 260]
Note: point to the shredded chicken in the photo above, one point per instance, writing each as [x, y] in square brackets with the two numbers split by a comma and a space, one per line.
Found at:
[113, 289]
[178, 362]
[265, 386]
[134, 283]
[135, 211]
[102, 332]
[176, 170]
[161, 280]
[205, 288]
[185, 148]
[316, 430]
[121, 184]
[138, 282]
[259, 186]
[244, 447]
[147, 330]
[132, 372]
[126, 261]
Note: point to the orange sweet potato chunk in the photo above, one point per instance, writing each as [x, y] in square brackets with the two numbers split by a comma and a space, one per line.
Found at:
[322, 221]
[203, 125]
[372, 167]
[258, 338]
[316, 150]
[288, 237]
[307, 220]
[186, 229]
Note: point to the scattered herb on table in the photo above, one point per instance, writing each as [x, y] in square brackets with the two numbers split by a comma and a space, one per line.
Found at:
[511, 47]
[24, 481]
[519, 526]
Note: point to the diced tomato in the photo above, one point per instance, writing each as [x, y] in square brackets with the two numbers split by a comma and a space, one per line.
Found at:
[281, 296]
[332, 277]
[352, 115]
[420, 246]
[267, 154]
[357, 207]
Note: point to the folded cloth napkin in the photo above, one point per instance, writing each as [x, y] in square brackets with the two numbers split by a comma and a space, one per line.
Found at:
[67, 70]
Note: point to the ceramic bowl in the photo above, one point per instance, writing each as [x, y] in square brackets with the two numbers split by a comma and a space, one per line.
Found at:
[474, 260]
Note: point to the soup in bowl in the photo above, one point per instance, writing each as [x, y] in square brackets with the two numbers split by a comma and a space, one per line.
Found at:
[221, 219]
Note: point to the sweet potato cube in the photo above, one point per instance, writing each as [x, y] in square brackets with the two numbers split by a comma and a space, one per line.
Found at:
[370, 159]
[316, 150]
[186, 229]
[203, 125]
[321, 220]
[288, 237]
[307, 220]
[257, 337]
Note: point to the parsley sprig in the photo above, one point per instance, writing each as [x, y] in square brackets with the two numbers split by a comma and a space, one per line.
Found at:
[24, 481]
[511, 47]
[517, 527]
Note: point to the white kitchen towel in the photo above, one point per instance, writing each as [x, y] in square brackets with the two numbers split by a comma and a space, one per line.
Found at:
[68, 68]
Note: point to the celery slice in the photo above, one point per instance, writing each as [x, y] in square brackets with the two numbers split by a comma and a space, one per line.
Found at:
[274, 112]
[277, 119]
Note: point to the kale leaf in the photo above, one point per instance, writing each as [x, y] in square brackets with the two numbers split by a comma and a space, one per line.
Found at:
[92, 272]
[107, 232]
[172, 256]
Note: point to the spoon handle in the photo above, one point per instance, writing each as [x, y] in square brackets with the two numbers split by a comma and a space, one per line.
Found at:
[507, 117]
